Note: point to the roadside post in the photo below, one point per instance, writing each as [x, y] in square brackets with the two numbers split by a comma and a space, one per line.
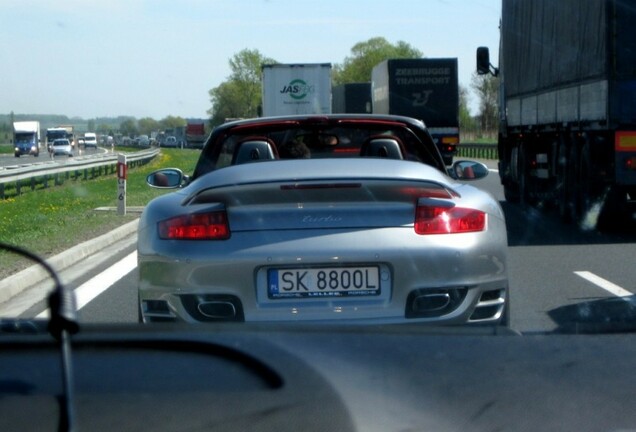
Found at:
[122, 174]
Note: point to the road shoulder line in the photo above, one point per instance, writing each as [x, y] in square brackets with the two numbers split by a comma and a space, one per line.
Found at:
[17, 283]
[604, 283]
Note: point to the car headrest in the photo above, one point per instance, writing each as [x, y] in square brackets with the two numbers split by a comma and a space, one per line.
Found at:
[382, 147]
[254, 150]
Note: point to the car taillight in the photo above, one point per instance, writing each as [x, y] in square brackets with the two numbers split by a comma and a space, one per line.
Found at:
[198, 226]
[448, 220]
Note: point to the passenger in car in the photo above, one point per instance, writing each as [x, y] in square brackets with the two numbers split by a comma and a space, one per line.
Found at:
[294, 149]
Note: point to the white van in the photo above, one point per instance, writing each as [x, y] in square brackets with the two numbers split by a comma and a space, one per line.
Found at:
[90, 140]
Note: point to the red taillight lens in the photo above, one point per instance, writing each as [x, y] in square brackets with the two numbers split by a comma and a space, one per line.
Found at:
[198, 226]
[448, 220]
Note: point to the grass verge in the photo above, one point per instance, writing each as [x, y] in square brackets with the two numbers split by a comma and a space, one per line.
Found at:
[52, 220]
[6, 148]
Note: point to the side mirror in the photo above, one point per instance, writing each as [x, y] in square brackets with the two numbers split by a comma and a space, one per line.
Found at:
[168, 178]
[483, 62]
[468, 170]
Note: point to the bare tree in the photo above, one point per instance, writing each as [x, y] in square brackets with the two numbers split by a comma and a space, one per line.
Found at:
[487, 89]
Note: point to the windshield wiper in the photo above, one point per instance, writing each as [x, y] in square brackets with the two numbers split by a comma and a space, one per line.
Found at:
[61, 325]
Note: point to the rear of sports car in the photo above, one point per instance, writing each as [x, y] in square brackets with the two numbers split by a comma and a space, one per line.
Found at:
[368, 241]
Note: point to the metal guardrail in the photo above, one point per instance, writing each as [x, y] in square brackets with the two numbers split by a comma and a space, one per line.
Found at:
[80, 166]
[477, 151]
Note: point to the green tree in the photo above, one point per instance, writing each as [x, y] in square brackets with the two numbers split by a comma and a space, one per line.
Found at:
[147, 125]
[171, 122]
[104, 128]
[365, 55]
[5, 132]
[128, 127]
[227, 104]
[487, 89]
[91, 125]
[240, 94]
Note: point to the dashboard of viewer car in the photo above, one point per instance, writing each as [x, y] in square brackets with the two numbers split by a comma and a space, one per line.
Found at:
[319, 377]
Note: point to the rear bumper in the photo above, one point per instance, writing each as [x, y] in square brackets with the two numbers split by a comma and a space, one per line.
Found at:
[484, 305]
[418, 279]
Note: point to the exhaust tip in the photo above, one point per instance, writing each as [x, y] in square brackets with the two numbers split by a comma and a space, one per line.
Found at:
[429, 303]
[222, 310]
[213, 307]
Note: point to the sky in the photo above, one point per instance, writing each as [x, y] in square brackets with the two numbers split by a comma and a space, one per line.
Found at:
[156, 58]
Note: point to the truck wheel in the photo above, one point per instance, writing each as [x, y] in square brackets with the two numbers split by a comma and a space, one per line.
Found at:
[614, 214]
[585, 195]
[573, 174]
[521, 170]
[511, 193]
[525, 197]
[564, 186]
[508, 169]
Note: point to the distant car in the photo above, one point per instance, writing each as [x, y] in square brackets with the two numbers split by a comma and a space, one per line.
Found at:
[329, 218]
[170, 142]
[90, 140]
[62, 146]
[143, 141]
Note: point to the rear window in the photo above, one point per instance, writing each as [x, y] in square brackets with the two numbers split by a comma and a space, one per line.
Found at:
[311, 143]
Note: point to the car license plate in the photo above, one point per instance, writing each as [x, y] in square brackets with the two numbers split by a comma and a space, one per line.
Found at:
[323, 282]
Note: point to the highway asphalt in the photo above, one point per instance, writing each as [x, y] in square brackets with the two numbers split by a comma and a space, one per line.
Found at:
[16, 284]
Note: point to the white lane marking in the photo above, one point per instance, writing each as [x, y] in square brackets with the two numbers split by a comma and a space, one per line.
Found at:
[100, 283]
[603, 283]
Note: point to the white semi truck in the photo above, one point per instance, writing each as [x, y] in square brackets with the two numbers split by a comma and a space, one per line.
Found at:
[290, 89]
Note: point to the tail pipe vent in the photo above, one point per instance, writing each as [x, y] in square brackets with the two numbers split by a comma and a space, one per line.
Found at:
[490, 307]
[213, 307]
[428, 303]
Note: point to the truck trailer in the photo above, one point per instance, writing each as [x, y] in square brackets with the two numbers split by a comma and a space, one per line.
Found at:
[351, 98]
[195, 133]
[567, 123]
[290, 89]
[426, 89]
[26, 138]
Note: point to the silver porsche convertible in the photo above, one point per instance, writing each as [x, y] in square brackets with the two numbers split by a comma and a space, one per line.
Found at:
[323, 218]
